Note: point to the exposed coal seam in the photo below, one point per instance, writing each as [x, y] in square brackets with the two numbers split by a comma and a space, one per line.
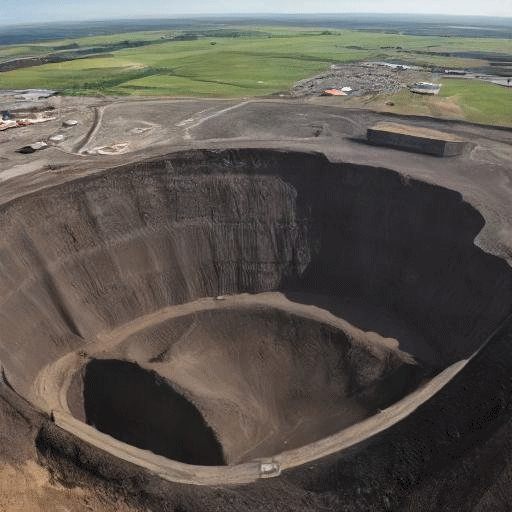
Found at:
[443, 437]
[15, 410]
[13, 400]
[6, 389]
[50, 285]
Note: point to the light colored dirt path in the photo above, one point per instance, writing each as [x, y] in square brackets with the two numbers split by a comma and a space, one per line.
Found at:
[98, 116]
[197, 120]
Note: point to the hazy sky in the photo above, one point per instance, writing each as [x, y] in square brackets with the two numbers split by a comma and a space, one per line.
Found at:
[18, 11]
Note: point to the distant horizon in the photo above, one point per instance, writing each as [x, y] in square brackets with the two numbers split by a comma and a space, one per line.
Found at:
[30, 16]
[227, 15]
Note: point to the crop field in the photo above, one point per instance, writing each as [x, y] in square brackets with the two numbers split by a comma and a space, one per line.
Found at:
[260, 61]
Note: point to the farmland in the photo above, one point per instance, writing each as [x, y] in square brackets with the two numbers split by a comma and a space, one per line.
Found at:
[256, 61]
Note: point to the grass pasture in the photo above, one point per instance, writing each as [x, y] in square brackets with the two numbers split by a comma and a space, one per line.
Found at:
[481, 102]
[262, 61]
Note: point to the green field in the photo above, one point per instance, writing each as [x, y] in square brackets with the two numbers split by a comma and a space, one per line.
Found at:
[260, 61]
[480, 101]
[471, 100]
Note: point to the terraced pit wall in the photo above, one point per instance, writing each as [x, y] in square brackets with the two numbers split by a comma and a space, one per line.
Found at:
[92, 254]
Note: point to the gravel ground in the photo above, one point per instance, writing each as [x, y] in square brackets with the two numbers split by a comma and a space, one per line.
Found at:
[363, 79]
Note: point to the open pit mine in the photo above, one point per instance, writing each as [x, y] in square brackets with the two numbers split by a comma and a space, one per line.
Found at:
[258, 328]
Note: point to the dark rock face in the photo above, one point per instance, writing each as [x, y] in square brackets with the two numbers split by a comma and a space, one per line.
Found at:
[452, 453]
[141, 409]
[94, 253]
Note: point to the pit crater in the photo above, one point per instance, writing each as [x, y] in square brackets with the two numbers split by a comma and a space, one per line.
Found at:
[226, 365]
[394, 257]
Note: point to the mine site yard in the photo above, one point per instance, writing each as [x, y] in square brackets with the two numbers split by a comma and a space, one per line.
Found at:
[222, 302]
